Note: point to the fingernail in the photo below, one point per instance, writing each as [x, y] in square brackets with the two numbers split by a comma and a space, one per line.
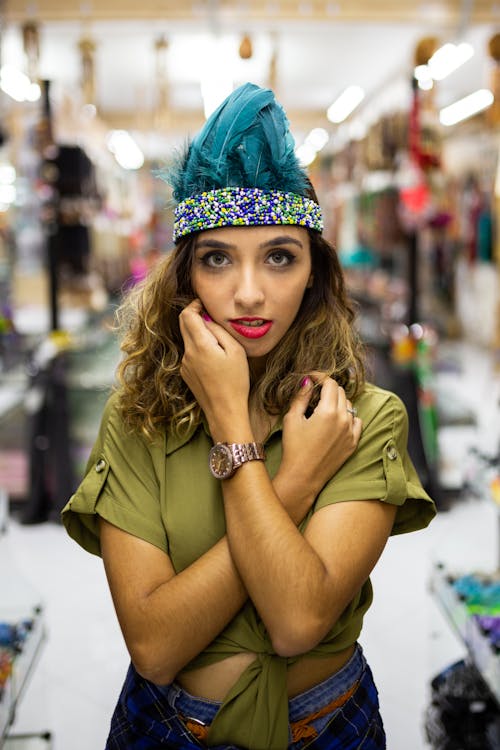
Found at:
[206, 316]
[305, 381]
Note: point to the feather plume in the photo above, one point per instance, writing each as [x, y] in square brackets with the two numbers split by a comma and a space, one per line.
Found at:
[246, 142]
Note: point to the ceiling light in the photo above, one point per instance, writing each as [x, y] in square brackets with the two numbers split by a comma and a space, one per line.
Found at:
[317, 138]
[345, 104]
[7, 174]
[33, 92]
[17, 85]
[423, 76]
[448, 58]
[7, 194]
[466, 107]
[125, 150]
[306, 154]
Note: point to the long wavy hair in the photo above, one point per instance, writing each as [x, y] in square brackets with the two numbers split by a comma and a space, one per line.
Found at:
[322, 337]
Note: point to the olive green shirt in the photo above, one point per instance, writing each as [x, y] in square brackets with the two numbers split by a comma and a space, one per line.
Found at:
[162, 492]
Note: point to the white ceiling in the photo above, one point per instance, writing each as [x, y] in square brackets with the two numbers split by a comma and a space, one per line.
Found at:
[317, 55]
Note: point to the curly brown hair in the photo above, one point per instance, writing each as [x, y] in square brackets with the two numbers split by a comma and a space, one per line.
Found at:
[152, 392]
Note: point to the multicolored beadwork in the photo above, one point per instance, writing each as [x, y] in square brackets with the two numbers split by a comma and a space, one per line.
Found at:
[240, 206]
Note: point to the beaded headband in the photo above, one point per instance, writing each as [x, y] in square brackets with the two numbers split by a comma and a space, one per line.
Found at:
[241, 169]
[239, 206]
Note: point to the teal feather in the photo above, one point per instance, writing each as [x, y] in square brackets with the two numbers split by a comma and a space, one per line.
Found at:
[246, 142]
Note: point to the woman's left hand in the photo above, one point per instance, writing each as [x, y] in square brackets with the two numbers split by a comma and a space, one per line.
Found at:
[215, 367]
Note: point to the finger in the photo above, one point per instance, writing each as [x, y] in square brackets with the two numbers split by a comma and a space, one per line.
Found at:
[319, 377]
[192, 326]
[301, 400]
[332, 395]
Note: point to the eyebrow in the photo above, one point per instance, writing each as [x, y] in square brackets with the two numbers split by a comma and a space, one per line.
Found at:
[284, 239]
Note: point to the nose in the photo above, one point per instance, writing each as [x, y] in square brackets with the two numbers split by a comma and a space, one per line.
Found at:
[249, 292]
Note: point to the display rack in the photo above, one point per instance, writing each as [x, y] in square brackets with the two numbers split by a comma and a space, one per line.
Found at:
[484, 655]
[20, 607]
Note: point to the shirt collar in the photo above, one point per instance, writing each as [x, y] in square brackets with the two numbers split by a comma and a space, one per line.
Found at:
[174, 441]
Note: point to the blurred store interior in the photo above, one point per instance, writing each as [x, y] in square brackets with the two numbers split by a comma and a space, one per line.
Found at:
[395, 110]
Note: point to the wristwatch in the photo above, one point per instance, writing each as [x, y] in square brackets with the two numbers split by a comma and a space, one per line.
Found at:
[225, 458]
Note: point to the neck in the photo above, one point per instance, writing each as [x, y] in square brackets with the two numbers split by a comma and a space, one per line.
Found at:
[257, 367]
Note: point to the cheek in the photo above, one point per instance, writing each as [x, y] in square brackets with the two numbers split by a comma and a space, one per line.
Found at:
[299, 292]
[289, 303]
[207, 290]
[198, 285]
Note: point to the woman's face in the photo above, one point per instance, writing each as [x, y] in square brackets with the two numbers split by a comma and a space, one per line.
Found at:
[251, 281]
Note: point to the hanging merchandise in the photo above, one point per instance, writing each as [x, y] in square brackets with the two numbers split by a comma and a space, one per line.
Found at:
[463, 714]
[493, 112]
[484, 246]
[412, 356]
[423, 140]
[9, 340]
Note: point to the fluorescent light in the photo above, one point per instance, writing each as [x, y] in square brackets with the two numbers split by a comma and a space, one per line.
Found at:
[7, 174]
[345, 104]
[423, 75]
[317, 138]
[125, 150]
[15, 83]
[466, 107]
[33, 93]
[448, 58]
[314, 142]
[306, 154]
[7, 194]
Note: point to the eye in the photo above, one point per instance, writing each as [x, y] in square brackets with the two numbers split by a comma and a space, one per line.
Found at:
[280, 258]
[215, 260]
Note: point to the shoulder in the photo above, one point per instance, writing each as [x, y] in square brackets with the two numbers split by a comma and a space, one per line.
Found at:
[119, 441]
[378, 403]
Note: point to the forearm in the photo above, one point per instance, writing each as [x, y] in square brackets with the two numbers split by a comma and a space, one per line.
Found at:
[201, 601]
[283, 574]
[169, 619]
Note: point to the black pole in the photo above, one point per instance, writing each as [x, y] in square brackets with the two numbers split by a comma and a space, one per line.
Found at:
[50, 208]
[413, 312]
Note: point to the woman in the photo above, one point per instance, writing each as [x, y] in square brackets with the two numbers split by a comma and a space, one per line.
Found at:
[246, 477]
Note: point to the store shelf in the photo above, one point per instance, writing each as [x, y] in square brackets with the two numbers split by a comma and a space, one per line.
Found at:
[480, 649]
[22, 667]
[20, 610]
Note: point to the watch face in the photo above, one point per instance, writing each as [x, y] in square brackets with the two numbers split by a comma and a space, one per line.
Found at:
[220, 461]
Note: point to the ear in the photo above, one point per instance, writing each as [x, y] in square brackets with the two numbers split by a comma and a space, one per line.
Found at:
[310, 282]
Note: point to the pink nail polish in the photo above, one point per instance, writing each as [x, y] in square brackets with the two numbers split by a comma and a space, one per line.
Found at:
[206, 316]
[305, 381]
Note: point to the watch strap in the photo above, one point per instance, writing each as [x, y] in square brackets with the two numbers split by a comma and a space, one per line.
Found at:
[243, 452]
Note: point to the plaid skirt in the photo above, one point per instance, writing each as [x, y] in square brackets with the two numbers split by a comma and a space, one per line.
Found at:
[145, 718]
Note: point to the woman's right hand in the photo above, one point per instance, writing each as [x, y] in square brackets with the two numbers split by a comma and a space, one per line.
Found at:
[215, 367]
[315, 447]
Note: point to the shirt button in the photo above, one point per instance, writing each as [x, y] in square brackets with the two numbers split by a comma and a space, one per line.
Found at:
[100, 465]
[392, 453]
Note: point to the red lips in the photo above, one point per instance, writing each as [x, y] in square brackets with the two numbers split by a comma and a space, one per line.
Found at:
[251, 328]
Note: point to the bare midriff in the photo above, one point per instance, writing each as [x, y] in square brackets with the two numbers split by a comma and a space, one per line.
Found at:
[214, 681]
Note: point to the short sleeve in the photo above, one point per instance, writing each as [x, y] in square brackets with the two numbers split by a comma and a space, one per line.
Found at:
[380, 468]
[121, 484]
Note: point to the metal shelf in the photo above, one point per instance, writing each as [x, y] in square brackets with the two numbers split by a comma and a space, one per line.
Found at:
[21, 669]
[479, 648]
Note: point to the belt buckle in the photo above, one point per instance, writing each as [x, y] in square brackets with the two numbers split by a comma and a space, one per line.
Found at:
[196, 721]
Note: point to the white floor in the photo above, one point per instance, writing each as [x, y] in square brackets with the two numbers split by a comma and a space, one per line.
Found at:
[407, 640]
